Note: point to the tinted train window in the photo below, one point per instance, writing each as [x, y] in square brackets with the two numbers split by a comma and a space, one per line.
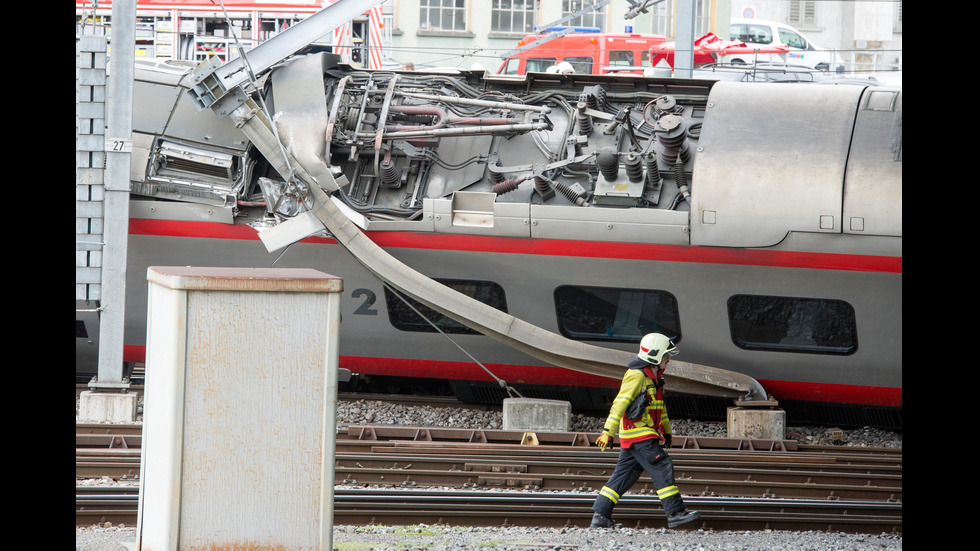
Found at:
[819, 326]
[403, 316]
[619, 315]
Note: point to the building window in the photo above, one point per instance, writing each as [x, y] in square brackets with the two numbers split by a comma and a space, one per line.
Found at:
[802, 13]
[513, 16]
[786, 324]
[593, 18]
[663, 18]
[442, 15]
[702, 18]
[403, 312]
[617, 315]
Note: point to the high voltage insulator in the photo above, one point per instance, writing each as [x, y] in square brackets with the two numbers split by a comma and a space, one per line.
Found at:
[634, 167]
[608, 163]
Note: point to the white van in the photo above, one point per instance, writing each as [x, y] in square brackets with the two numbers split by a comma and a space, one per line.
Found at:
[770, 33]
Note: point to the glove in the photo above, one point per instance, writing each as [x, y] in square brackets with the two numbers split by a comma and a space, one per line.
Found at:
[602, 441]
[667, 439]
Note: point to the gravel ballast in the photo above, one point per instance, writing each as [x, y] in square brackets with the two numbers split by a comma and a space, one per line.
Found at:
[437, 537]
[444, 538]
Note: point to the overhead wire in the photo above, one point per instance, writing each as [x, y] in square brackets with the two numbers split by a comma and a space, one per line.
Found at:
[254, 81]
[500, 382]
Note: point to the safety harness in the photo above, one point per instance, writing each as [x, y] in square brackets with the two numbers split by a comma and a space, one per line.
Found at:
[654, 409]
[658, 383]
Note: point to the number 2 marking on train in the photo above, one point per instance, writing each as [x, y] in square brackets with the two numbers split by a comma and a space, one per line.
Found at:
[369, 298]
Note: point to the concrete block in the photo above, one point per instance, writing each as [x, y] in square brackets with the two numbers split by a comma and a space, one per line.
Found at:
[107, 407]
[532, 414]
[747, 422]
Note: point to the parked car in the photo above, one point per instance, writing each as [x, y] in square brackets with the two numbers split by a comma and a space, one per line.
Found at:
[777, 72]
[802, 51]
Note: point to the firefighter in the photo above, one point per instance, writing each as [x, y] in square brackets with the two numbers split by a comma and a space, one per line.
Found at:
[643, 438]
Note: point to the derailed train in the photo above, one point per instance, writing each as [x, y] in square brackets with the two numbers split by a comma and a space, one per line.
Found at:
[759, 225]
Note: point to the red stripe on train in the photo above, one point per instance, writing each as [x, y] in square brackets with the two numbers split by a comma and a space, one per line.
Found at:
[552, 247]
[833, 393]
[546, 375]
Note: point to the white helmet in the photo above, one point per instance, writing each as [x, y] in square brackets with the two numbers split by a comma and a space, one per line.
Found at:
[653, 346]
[565, 68]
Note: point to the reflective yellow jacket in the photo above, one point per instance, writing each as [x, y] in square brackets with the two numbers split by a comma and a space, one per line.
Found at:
[654, 423]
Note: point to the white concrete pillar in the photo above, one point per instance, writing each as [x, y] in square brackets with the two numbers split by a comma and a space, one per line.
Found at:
[239, 412]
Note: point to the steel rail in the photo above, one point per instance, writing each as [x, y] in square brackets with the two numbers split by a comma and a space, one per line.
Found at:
[729, 478]
[536, 509]
[550, 509]
[736, 475]
[837, 479]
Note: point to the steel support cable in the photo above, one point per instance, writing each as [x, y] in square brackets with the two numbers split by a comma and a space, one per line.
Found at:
[95, 8]
[502, 383]
[254, 81]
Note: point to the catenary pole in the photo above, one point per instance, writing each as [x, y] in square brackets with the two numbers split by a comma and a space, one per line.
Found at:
[119, 133]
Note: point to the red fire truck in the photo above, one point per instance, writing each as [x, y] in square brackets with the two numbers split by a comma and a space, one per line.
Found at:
[587, 50]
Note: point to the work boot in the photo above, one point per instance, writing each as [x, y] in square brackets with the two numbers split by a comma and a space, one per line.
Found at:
[601, 521]
[682, 517]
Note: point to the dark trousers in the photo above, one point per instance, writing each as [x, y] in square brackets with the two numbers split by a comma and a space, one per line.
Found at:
[648, 456]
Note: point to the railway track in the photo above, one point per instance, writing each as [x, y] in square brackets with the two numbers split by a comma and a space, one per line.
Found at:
[362, 506]
[400, 475]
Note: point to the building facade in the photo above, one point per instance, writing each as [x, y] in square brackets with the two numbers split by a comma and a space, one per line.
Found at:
[464, 33]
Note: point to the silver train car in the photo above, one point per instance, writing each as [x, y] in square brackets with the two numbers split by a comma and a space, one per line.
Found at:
[759, 225]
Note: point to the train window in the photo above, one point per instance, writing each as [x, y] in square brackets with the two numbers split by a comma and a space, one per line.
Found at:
[787, 324]
[617, 315]
[405, 318]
